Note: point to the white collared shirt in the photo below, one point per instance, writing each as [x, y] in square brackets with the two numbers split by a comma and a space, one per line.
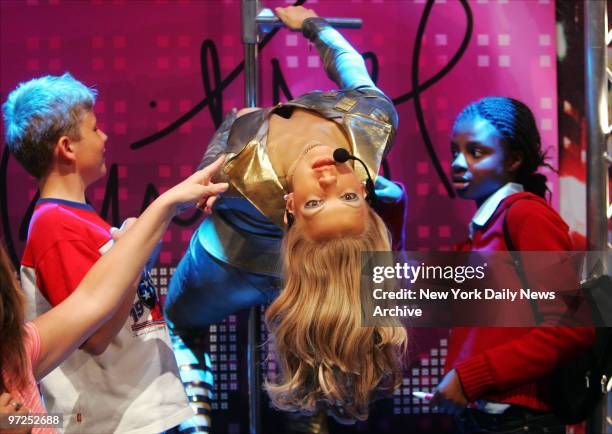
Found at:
[486, 210]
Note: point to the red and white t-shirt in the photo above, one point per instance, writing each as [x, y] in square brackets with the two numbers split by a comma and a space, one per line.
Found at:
[133, 387]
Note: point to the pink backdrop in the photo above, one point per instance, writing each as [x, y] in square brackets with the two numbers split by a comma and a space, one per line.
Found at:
[144, 58]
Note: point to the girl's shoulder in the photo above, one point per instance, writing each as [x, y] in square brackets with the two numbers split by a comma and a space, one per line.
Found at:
[536, 225]
[526, 202]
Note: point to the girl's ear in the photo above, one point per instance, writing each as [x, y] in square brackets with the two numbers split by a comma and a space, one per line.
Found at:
[514, 161]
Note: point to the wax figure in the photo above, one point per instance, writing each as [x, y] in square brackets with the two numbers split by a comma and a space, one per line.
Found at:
[505, 372]
[284, 182]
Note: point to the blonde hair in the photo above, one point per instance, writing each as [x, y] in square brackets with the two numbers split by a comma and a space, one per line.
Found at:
[327, 359]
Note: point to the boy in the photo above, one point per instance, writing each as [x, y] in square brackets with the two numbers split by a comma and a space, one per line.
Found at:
[125, 378]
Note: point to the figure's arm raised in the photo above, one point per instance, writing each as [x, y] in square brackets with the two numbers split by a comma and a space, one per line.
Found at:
[343, 64]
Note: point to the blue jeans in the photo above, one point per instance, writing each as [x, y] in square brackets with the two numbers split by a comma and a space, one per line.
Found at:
[205, 290]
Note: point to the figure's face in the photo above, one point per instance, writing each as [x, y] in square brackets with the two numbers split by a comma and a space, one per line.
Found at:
[327, 196]
[479, 166]
[89, 151]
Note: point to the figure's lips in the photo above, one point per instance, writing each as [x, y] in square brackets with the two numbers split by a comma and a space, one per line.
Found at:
[460, 183]
[322, 162]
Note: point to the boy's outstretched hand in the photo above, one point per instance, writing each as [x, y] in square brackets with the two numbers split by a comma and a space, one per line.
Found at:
[294, 16]
[198, 189]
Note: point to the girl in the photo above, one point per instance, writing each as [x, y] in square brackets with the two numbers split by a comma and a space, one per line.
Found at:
[504, 372]
[32, 350]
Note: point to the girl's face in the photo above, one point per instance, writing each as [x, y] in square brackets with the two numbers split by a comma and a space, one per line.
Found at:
[479, 167]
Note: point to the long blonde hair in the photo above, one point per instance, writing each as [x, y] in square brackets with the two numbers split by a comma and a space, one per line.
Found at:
[12, 332]
[327, 359]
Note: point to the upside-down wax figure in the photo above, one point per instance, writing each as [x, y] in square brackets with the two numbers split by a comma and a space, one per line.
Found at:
[286, 189]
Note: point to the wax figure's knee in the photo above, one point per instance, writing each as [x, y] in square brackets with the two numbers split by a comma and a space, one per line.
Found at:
[175, 295]
[195, 308]
[188, 307]
[204, 291]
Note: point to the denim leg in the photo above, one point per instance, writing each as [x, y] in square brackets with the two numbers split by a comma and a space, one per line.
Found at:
[204, 290]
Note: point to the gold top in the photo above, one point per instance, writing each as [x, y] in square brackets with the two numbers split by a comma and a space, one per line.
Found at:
[250, 171]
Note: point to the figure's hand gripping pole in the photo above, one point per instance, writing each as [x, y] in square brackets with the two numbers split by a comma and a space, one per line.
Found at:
[266, 20]
[256, 20]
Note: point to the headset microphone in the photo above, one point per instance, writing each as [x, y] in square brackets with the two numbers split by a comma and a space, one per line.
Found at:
[341, 155]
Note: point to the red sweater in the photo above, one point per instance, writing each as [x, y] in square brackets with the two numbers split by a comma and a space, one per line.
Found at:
[513, 364]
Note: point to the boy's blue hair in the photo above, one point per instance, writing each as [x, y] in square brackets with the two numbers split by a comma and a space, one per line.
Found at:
[40, 111]
[517, 127]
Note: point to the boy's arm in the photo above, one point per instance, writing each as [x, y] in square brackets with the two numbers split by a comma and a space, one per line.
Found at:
[61, 270]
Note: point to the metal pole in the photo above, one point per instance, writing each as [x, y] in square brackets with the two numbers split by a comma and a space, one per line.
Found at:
[269, 20]
[253, 375]
[596, 96]
[250, 38]
[251, 79]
